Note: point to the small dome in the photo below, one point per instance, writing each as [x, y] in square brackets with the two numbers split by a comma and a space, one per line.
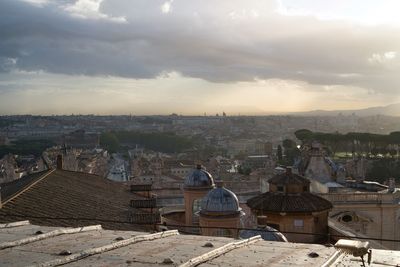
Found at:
[220, 201]
[199, 179]
[267, 233]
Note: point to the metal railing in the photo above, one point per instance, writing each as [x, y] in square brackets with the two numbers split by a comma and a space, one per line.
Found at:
[144, 203]
[141, 187]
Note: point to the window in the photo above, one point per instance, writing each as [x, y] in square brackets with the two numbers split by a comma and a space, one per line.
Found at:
[347, 218]
[195, 208]
[280, 188]
[299, 223]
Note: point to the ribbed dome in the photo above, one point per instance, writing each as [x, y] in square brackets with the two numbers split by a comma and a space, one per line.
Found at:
[220, 201]
[267, 233]
[199, 179]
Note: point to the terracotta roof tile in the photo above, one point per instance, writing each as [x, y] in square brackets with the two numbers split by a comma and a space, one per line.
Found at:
[66, 194]
[282, 202]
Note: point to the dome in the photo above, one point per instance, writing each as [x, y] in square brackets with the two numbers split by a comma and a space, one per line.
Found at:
[199, 179]
[220, 201]
[267, 233]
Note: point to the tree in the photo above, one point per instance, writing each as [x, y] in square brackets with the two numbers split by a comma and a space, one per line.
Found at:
[303, 135]
[383, 169]
[288, 144]
[279, 153]
[291, 151]
[244, 170]
[110, 142]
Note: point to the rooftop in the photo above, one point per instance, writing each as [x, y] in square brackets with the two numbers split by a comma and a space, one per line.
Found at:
[59, 194]
[286, 202]
[288, 177]
[24, 244]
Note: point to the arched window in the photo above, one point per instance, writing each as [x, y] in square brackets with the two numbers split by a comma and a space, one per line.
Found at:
[195, 208]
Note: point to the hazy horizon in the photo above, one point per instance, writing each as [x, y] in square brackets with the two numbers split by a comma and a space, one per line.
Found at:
[191, 57]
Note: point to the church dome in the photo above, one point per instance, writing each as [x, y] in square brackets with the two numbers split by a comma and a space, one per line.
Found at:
[199, 179]
[220, 201]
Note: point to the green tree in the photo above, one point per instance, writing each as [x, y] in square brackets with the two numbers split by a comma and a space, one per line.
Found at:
[110, 142]
[304, 135]
[291, 151]
[279, 154]
[244, 170]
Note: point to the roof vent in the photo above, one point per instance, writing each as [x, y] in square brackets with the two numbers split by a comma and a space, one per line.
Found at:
[208, 245]
[65, 253]
[168, 261]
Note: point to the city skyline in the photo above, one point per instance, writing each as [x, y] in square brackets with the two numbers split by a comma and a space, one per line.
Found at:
[163, 57]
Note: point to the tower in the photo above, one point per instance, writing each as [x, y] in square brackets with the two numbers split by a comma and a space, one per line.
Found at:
[220, 213]
[196, 186]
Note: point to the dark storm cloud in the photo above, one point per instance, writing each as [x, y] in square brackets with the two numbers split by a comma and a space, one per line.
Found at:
[224, 42]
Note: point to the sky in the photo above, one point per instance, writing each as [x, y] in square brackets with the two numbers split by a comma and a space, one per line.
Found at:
[193, 57]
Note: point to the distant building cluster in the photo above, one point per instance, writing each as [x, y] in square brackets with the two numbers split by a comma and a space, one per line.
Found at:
[299, 192]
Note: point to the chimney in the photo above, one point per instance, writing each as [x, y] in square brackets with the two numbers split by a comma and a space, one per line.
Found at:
[59, 162]
[288, 171]
[219, 183]
[392, 185]
[261, 221]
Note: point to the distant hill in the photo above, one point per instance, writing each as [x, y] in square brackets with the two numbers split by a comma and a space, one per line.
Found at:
[389, 110]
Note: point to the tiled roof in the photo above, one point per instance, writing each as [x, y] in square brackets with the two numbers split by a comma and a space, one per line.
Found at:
[65, 194]
[11, 188]
[282, 202]
[290, 178]
[94, 246]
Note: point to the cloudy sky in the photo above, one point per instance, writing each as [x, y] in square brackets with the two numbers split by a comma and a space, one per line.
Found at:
[196, 56]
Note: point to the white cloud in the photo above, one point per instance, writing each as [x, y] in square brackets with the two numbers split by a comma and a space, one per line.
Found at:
[288, 10]
[220, 45]
[36, 2]
[7, 63]
[364, 12]
[90, 9]
[61, 94]
[390, 55]
[166, 7]
[382, 58]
